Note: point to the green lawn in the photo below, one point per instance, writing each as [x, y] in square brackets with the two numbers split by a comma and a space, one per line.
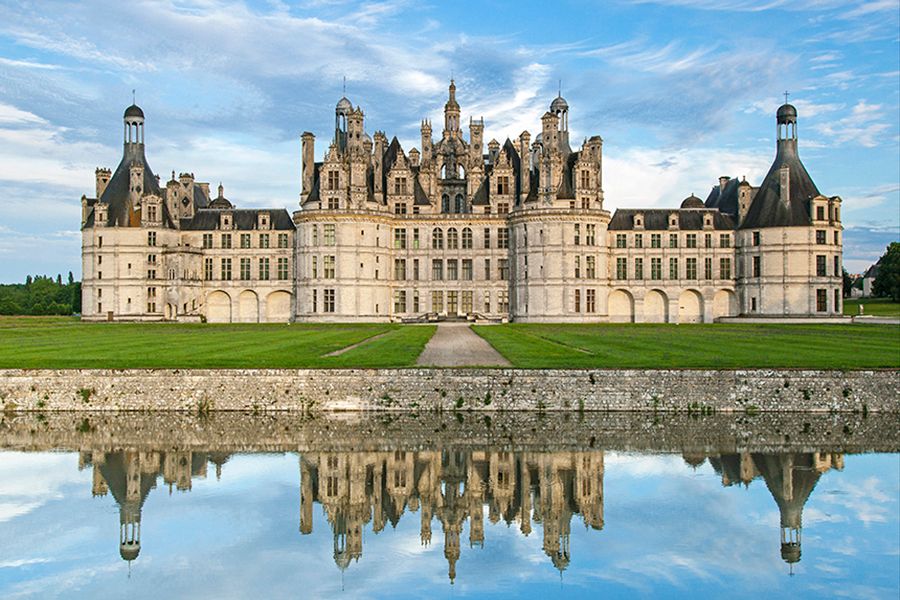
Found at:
[696, 346]
[879, 307]
[62, 342]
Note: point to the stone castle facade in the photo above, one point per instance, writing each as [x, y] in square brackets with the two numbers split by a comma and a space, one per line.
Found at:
[518, 232]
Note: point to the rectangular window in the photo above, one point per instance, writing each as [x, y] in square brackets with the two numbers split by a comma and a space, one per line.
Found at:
[577, 267]
[821, 300]
[437, 270]
[207, 240]
[466, 302]
[591, 301]
[690, 240]
[757, 266]
[226, 240]
[655, 268]
[487, 302]
[283, 240]
[151, 274]
[820, 236]
[415, 273]
[639, 268]
[578, 301]
[264, 240]
[151, 238]
[503, 185]
[328, 269]
[673, 268]
[332, 180]
[590, 267]
[315, 235]
[400, 208]
[400, 239]
[724, 268]
[245, 269]
[283, 268]
[621, 268]
[467, 270]
[207, 269]
[724, 240]
[837, 300]
[487, 268]
[639, 240]
[467, 239]
[673, 240]
[620, 241]
[836, 238]
[226, 268]
[503, 208]
[264, 268]
[245, 240]
[399, 301]
[837, 266]
[333, 203]
[707, 268]
[503, 301]
[151, 258]
[437, 302]
[452, 269]
[820, 266]
[328, 234]
[504, 269]
[707, 240]
[416, 238]
[400, 269]
[655, 240]
[591, 236]
[314, 262]
[328, 301]
[577, 234]
[487, 238]
[690, 268]
[756, 238]
[315, 300]
[415, 307]
[503, 237]
[820, 213]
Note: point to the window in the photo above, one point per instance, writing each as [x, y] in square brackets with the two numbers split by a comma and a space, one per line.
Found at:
[315, 235]
[503, 237]
[400, 269]
[837, 300]
[585, 178]
[487, 268]
[437, 302]
[836, 238]
[282, 268]
[226, 268]
[415, 269]
[820, 236]
[837, 266]
[315, 300]
[757, 266]
[707, 240]
[591, 236]
[621, 268]
[577, 234]
[332, 182]
[503, 185]
[416, 238]
[151, 238]
[590, 267]
[487, 302]
[207, 240]
[673, 240]
[753, 304]
[577, 267]
[503, 265]
[638, 240]
[724, 240]
[724, 268]
[621, 241]
[467, 270]
[151, 274]
[821, 299]
[756, 238]
[655, 268]
[690, 268]
[707, 268]
[264, 240]
[820, 266]
[503, 301]
[639, 268]
[400, 239]
[452, 239]
[655, 240]
[690, 240]
[820, 213]
[400, 186]
[226, 240]
[577, 301]
[264, 268]
[245, 240]
[283, 238]
[245, 269]
[591, 301]
[328, 234]
[399, 301]
[314, 267]
[328, 301]
[437, 269]
[466, 238]
[673, 268]
[207, 269]
[151, 258]
[466, 304]
[333, 203]
[327, 267]
[151, 292]
[487, 238]
[400, 208]
[415, 301]
[452, 269]
[437, 239]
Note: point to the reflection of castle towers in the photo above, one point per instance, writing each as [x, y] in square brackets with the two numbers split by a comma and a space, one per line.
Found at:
[456, 487]
[790, 478]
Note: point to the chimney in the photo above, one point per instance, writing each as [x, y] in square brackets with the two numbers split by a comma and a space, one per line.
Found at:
[785, 178]
[102, 176]
[308, 157]
[723, 181]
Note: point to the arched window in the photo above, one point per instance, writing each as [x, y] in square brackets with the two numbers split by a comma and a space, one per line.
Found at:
[437, 239]
[467, 238]
[452, 239]
[459, 204]
[445, 203]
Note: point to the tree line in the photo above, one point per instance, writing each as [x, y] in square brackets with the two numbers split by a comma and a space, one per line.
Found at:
[41, 295]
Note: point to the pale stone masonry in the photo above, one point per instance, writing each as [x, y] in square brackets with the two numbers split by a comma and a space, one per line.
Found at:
[514, 231]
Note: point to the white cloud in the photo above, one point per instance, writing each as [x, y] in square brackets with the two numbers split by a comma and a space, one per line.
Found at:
[864, 126]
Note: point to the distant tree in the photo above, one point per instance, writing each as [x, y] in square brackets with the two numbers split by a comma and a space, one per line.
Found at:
[848, 284]
[58, 279]
[28, 281]
[887, 282]
[71, 278]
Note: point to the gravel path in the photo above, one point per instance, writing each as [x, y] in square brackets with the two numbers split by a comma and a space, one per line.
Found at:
[456, 345]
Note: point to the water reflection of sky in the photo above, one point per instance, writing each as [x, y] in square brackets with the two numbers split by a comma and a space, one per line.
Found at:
[668, 529]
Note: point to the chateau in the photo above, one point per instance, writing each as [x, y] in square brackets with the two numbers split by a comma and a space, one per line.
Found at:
[449, 230]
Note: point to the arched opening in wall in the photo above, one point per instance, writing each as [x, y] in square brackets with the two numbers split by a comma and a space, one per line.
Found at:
[248, 307]
[690, 307]
[445, 203]
[171, 312]
[725, 304]
[278, 307]
[218, 307]
[460, 172]
[621, 307]
[656, 307]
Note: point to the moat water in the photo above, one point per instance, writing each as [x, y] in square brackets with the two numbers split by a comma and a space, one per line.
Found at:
[278, 507]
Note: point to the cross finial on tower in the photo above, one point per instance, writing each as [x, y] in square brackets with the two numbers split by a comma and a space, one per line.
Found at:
[559, 92]
[345, 85]
[786, 94]
[132, 97]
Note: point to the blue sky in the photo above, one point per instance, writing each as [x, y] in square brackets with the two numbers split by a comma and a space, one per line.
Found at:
[682, 91]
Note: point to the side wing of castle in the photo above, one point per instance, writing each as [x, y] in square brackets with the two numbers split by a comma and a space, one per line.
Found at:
[514, 231]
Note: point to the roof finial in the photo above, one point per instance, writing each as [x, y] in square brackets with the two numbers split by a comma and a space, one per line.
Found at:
[132, 97]
[559, 93]
[786, 94]
[345, 86]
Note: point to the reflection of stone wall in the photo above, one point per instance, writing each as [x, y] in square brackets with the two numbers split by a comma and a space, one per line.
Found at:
[745, 391]
[229, 432]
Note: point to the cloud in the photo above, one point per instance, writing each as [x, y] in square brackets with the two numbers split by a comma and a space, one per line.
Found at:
[863, 126]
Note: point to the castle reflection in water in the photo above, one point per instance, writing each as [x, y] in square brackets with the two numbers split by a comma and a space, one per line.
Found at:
[355, 489]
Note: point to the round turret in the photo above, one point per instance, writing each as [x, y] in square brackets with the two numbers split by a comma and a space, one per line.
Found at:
[787, 113]
[221, 202]
[692, 201]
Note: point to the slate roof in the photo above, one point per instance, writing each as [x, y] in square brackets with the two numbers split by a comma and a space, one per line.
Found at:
[121, 213]
[768, 209]
[243, 219]
[657, 219]
[726, 200]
